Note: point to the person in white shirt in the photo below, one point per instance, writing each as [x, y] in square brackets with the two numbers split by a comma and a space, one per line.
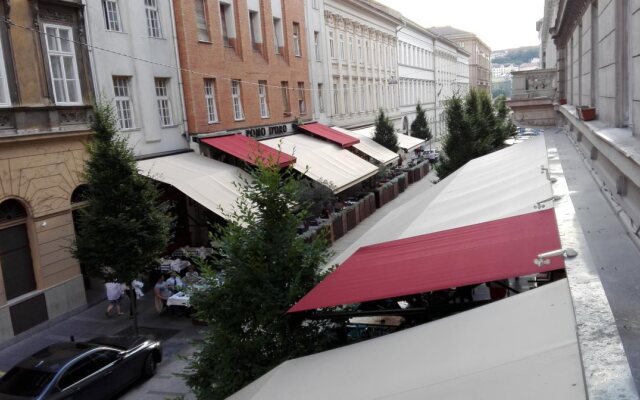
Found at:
[174, 283]
[114, 296]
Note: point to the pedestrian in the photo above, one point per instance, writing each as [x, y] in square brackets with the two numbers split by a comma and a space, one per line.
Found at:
[174, 283]
[162, 293]
[114, 296]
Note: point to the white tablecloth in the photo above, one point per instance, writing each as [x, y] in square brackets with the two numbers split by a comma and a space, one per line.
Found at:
[179, 299]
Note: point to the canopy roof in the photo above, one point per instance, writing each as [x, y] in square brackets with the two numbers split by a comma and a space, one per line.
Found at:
[405, 142]
[340, 138]
[524, 345]
[249, 150]
[371, 148]
[473, 254]
[207, 181]
[502, 184]
[325, 161]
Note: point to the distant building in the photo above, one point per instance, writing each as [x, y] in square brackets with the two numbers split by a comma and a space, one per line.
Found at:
[480, 55]
[503, 71]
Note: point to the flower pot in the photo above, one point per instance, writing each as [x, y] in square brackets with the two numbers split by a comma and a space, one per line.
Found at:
[563, 101]
[586, 113]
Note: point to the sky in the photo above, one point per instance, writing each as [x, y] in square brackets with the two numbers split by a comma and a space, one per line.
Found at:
[501, 24]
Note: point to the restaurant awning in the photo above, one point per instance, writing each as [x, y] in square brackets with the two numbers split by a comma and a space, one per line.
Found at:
[524, 346]
[342, 139]
[405, 142]
[325, 161]
[502, 184]
[249, 150]
[371, 148]
[207, 181]
[475, 254]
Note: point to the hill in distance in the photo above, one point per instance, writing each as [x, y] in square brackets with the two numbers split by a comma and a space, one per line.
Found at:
[516, 56]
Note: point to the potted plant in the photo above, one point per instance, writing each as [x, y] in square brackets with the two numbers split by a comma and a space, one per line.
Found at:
[586, 113]
[563, 101]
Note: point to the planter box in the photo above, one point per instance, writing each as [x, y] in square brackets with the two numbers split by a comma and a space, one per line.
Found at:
[563, 101]
[586, 113]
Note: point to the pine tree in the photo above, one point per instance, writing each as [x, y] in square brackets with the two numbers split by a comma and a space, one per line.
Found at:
[385, 134]
[419, 126]
[264, 268]
[124, 227]
[455, 145]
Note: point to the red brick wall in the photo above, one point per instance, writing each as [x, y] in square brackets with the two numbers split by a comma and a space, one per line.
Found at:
[244, 64]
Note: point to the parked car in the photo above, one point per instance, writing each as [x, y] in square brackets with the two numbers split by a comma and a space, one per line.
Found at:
[432, 155]
[97, 369]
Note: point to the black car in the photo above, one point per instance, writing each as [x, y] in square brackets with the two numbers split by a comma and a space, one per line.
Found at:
[97, 369]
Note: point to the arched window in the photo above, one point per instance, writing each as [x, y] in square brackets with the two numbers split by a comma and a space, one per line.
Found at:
[15, 252]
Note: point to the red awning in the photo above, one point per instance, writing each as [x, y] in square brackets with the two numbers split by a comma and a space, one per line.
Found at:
[472, 254]
[249, 150]
[331, 135]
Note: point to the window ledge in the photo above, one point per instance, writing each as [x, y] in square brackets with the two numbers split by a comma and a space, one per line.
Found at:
[205, 41]
[169, 126]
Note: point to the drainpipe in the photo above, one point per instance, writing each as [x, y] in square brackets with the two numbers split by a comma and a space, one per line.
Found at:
[180, 83]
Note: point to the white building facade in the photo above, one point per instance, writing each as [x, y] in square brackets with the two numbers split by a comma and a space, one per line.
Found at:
[452, 77]
[353, 67]
[143, 87]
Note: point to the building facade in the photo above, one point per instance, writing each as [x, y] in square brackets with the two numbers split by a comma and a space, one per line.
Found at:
[46, 92]
[244, 65]
[136, 70]
[355, 72]
[452, 77]
[480, 55]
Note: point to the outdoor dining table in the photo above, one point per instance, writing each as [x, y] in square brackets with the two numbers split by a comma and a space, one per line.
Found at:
[179, 299]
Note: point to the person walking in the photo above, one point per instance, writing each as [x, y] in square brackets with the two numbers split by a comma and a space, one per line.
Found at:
[114, 296]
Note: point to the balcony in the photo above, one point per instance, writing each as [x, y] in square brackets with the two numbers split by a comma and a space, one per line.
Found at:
[533, 96]
[28, 121]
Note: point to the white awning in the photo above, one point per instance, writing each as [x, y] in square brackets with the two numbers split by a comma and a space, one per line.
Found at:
[502, 184]
[405, 142]
[207, 181]
[524, 346]
[325, 161]
[371, 148]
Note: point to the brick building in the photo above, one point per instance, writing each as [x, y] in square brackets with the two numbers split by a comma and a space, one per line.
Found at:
[245, 65]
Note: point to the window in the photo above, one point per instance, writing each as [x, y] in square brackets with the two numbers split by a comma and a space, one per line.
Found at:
[354, 98]
[321, 97]
[62, 64]
[362, 105]
[238, 113]
[285, 97]
[360, 57]
[345, 97]
[153, 20]
[210, 100]
[301, 104]
[254, 25]
[262, 97]
[316, 45]
[15, 252]
[314, 4]
[336, 108]
[341, 45]
[278, 38]
[5, 99]
[351, 52]
[296, 40]
[81, 369]
[332, 50]
[164, 104]
[201, 21]
[226, 18]
[124, 108]
[111, 15]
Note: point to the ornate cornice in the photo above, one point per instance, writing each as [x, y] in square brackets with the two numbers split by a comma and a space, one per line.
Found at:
[570, 14]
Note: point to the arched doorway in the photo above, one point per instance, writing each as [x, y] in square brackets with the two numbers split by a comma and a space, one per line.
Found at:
[405, 125]
[16, 264]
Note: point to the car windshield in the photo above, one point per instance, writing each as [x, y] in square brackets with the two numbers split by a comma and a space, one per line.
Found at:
[25, 382]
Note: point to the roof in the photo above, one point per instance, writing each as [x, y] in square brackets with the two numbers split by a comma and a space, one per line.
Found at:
[524, 344]
[324, 162]
[449, 31]
[340, 138]
[372, 148]
[209, 182]
[249, 150]
[405, 142]
[464, 256]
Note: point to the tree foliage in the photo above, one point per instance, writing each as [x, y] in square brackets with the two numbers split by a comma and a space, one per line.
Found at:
[476, 126]
[420, 126]
[384, 133]
[263, 269]
[124, 226]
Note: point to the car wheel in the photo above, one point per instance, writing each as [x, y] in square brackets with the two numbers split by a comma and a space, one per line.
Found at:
[149, 368]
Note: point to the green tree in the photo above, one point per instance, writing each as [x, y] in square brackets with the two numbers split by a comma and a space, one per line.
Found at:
[264, 268]
[455, 146]
[124, 226]
[420, 126]
[384, 133]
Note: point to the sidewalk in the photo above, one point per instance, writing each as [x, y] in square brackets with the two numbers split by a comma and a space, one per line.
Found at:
[176, 333]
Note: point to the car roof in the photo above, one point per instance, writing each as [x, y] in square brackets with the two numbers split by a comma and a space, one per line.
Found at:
[55, 356]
